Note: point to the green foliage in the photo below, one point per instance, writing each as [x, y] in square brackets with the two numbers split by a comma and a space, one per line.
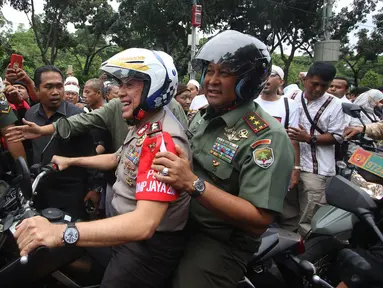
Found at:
[372, 79]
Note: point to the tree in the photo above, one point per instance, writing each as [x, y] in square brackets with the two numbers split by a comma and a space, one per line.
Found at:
[361, 57]
[159, 24]
[372, 79]
[94, 20]
[277, 23]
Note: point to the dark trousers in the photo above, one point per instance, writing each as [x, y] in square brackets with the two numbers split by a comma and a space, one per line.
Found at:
[146, 263]
[210, 263]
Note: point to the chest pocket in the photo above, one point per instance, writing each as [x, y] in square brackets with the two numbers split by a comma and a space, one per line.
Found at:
[222, 175]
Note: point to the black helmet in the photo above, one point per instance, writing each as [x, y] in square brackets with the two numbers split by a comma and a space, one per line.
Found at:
[244, 55]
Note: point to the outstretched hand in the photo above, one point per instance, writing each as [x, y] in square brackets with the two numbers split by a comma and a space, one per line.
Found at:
[24, 132]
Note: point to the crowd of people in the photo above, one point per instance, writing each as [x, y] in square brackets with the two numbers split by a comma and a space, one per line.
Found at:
[186, 177]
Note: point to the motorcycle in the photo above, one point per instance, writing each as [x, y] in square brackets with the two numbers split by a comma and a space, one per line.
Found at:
[69, 266]
[332, 227]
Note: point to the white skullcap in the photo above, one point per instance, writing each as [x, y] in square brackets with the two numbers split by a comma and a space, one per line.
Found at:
[71, 79]
[195, 83]
[278, 70]
[71, 88]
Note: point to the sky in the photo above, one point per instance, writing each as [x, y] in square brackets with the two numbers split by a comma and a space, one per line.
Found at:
[20, 18]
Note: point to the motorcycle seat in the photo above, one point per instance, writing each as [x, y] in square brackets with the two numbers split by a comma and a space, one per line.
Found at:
[267, 244]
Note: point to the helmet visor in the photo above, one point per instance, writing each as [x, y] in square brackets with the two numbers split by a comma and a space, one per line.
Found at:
[236, 51]
[119, 75]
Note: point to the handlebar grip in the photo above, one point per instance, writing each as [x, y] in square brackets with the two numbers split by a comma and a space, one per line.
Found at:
[51, 167]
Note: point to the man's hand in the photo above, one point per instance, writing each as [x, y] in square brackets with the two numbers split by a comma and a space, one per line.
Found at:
[13, 95]
[180, 175]
[38, 231]
[62, 162]
[22, 76]
[294, 180]
[10, 74]
[350, 132]
[21, 133]
[95, 197]
[298, 134]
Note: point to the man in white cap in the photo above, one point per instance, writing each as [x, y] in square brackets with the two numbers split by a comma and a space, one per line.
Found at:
[72, 90]
[286, 111]
[71, 94]
[198, 101]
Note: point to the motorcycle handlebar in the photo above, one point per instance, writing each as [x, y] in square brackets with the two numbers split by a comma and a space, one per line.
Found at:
[47, 169]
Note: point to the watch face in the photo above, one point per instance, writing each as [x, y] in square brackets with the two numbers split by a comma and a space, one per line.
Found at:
[199, 185]
[71, 235]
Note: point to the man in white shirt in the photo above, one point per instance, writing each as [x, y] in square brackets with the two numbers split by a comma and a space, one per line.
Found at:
[198, 101]
[339, 88]
[321, 121]
[286, 111]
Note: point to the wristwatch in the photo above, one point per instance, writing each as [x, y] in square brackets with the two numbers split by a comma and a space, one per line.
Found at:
[199, 188]
[313, 140]
[71, 235]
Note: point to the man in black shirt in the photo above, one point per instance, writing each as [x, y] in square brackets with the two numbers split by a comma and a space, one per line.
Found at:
[67, 189]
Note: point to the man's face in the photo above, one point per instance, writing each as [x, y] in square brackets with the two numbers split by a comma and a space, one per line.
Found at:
[130, 95]
[23, 91]
[71, 97]
[273, 84]
[51, 90]
[113, 92]
[338, 88]
[91, 96]
[315, 87]
[193, 89]
[184, 99]
[220, 86]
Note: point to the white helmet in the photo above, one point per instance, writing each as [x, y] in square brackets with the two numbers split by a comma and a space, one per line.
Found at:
[155, 68]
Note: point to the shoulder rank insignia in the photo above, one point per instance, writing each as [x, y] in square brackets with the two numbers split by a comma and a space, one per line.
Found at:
[256, 122]
[154, 128]
[264, 157]
[4, 105]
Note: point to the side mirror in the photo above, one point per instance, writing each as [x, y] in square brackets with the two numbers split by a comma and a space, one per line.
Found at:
[25, 178]
[352, 110]
[346, 195]
[63, 128]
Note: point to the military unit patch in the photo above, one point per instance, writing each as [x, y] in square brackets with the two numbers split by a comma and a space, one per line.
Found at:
[256, 122]
[224, 149]
[264, 157]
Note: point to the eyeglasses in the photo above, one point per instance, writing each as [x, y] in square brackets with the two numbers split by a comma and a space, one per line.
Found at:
[274, 75]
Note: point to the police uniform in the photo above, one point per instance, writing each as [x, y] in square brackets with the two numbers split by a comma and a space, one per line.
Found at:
[244, 152]
[7, 117]
[151, 261]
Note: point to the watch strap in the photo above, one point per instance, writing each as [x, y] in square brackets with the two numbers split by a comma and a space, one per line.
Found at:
[197, 193]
